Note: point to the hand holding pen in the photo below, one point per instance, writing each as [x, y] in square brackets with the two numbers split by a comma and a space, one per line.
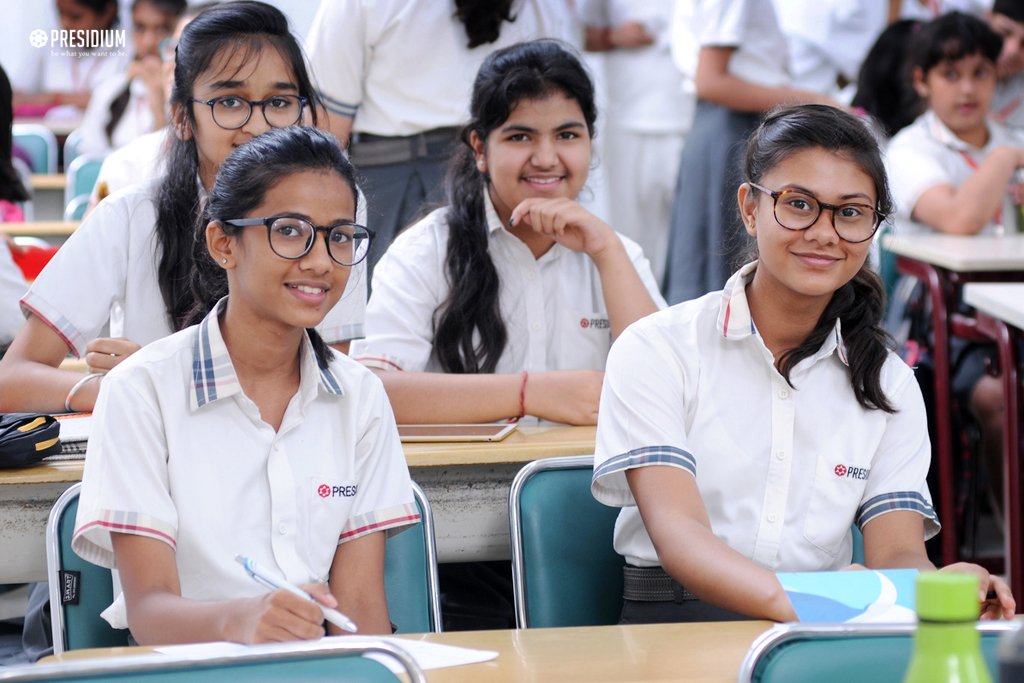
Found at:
[268, 579]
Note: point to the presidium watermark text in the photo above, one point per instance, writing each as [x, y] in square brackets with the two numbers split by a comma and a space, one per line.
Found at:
[79, 42]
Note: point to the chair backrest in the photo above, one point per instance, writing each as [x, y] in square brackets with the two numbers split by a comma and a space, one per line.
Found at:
[565, 571]
[39, 143]
[410, 574]
[80, 590]
[844, 653]
[71, 144]
[75, 209]
[80, 176]
[363, 662]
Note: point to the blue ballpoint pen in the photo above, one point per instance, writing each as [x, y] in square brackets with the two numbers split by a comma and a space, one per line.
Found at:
[260, 576]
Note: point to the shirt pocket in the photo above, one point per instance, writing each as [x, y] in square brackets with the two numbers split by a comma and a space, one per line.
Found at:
[584, 340]
[837, 490]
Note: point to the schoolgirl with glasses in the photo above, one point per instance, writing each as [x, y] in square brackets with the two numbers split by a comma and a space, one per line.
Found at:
[246, 434]
[122, 279]
[743, 433]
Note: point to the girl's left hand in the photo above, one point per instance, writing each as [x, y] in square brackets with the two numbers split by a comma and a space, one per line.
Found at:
[1001, 605]
[565, 221]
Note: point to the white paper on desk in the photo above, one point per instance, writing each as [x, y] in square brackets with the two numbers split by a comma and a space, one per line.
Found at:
[427, 655]
[75, 426]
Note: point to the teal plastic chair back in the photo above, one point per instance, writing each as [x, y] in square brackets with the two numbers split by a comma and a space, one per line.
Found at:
[71, 144]
[79, 590]
[565, 571]
[886, 261]
[858, 546]
[260, 664]
[75, 209]
[410, 577]
[39, 143]
[844, 653]
[80, 178]
[410, 574]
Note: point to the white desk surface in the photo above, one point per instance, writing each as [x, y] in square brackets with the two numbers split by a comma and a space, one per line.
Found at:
[962, 253]
[1001, 300]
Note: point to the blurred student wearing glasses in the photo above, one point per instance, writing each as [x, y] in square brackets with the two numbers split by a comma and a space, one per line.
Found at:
[126, 268]
[744, 432]
[133, 103]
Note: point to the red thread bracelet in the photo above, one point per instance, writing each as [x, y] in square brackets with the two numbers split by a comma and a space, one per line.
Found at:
[522, 396]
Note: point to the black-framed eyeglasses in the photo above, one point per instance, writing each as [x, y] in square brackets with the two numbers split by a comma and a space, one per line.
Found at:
[291, 237]
[796, 210]
[231, 112]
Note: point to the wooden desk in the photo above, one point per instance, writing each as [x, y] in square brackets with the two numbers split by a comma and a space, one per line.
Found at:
[999, 311]
[49, 181]
[944, 263]
[695, 653]
[467, 485]
[40, 228]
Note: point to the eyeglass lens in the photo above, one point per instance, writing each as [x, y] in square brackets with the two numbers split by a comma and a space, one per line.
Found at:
[292, 238]
[797, 211]
[234, 112]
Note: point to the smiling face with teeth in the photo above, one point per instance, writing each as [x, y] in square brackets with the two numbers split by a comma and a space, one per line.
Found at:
[291, 294]
[541, 150]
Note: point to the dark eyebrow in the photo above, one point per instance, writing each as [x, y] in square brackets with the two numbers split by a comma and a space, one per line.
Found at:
[804, 190]
[520, 128]
[229, 85]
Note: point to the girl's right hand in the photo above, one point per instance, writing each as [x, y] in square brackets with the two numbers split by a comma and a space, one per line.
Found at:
[281, 616]
[566, 396]
[105, 353]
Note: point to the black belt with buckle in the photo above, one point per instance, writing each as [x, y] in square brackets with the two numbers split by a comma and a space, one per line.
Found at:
[367, 149]
[652, 584]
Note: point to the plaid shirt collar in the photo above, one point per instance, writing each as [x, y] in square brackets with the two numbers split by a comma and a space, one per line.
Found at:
[213, 375]
[944, 136]
[735, 322]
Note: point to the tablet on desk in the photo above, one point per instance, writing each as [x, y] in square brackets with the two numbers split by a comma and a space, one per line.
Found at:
[455, 432]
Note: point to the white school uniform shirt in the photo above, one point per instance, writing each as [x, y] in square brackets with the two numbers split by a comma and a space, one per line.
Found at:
[750, 26]
[107, 270]
[137, 161]
[12, 288]
[552, 306]
[137, 118]
[926, 154]
[783, 470]
[404, 67]
[1008, 102]
[178, 453]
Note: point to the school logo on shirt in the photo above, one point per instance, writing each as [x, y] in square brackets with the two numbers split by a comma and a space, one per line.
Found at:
[843, 471]
[595, 323]
[336, 490]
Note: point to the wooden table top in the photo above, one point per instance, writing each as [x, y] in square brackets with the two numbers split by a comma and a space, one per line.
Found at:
[962, 253]
[1001, 300]
[48, 181]
[694, 653]
[41, 228]
[523, 445]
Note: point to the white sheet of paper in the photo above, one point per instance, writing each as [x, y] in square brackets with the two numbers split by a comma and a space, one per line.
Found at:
[427, 655]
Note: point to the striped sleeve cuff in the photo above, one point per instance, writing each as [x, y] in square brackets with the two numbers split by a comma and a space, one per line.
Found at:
[53, 319]
[92, 541]
[391, 519]
[649, 455]
[380, 362]
[338, 107]
[899, 500]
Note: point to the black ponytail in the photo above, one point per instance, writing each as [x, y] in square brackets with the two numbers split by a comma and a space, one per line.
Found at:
[859, 304]
[482, 19]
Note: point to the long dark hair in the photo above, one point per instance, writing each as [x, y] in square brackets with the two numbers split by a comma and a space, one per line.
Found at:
[482, 19]
[243, 181]
[524, 71]
[860, 303]
[11, 187]
[884, 87]
[246, 28]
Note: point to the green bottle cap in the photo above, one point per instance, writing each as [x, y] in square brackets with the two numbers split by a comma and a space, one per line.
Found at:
[947, 596]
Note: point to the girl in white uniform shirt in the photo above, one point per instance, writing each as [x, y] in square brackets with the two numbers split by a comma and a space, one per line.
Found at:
[246, 433]
[745, 431]
[514, 291]
[239, 72]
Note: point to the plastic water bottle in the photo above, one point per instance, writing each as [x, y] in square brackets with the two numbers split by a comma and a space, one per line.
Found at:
[947, 646]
